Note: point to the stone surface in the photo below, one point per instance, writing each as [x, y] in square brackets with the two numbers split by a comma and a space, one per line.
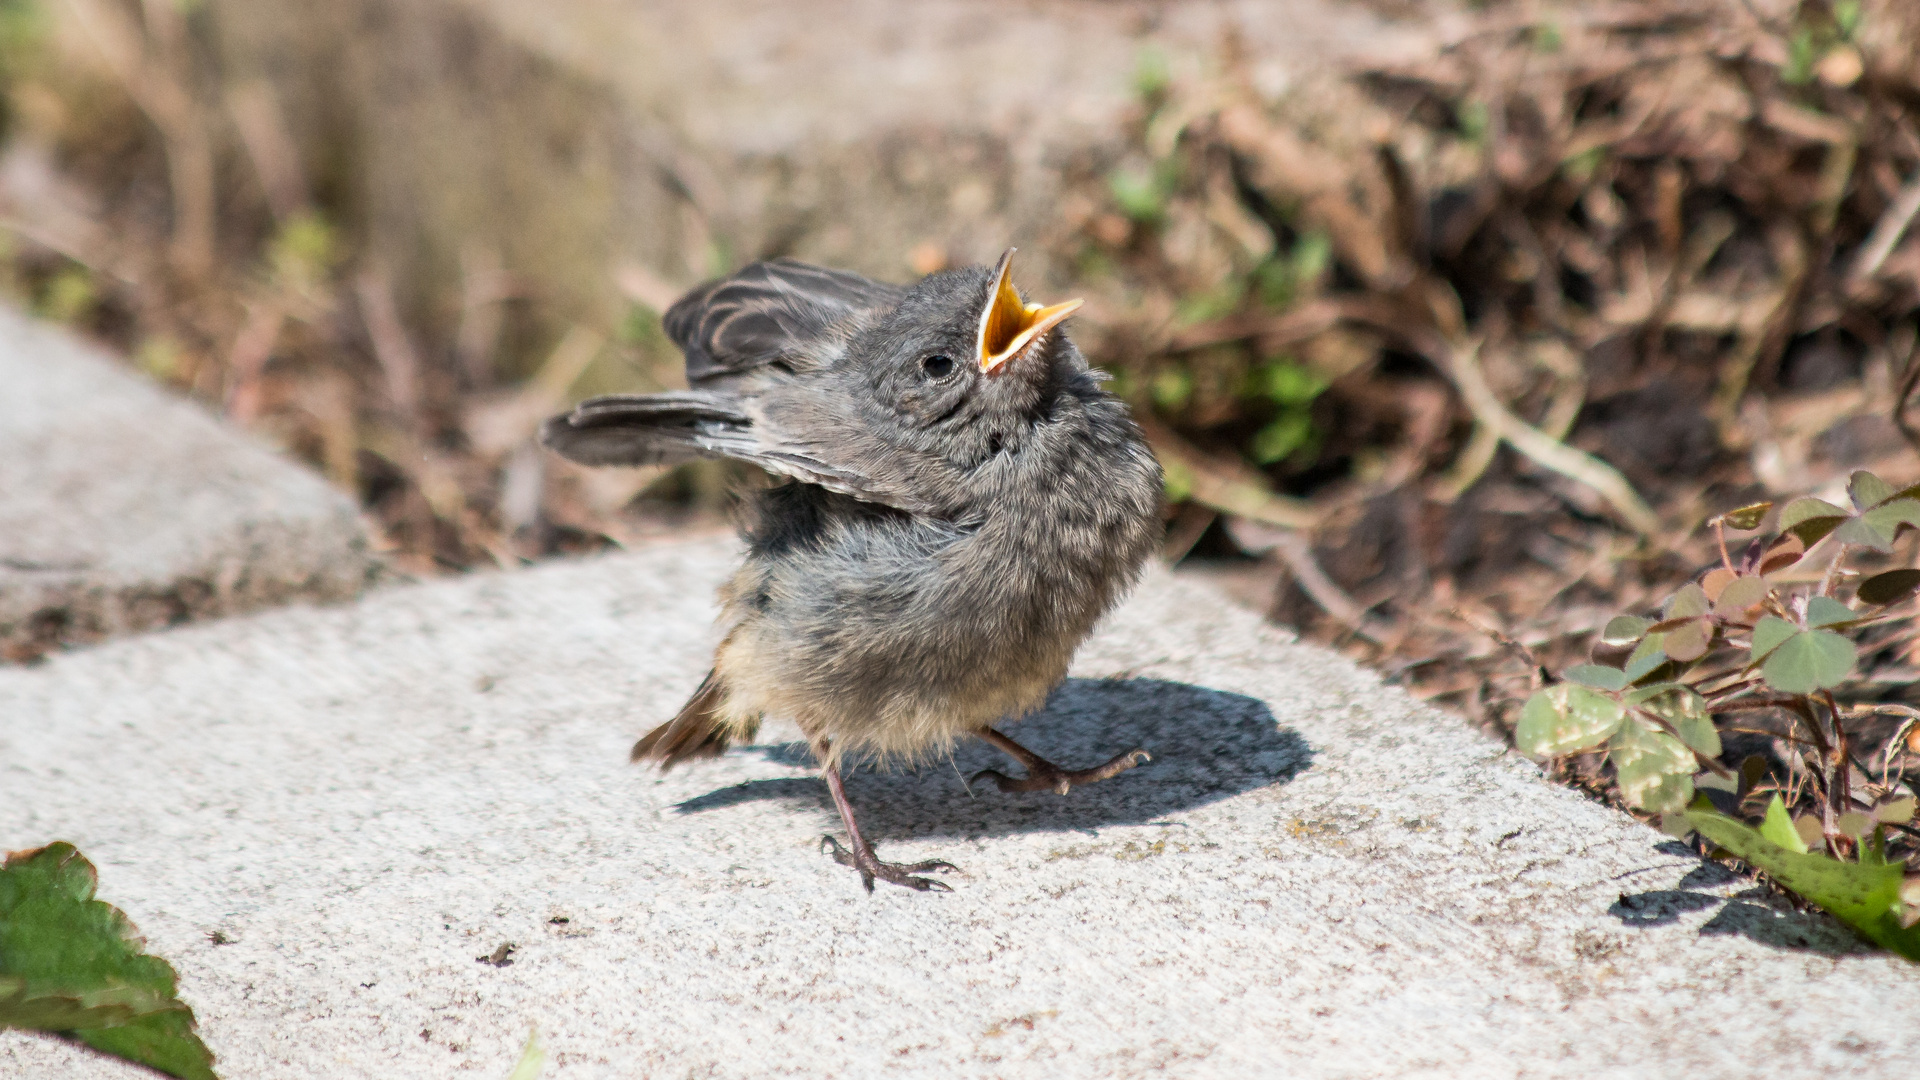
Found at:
[124, 508]
[1315, 877]
[688, 136]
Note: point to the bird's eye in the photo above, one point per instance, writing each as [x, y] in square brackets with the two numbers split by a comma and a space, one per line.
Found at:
[937, 366]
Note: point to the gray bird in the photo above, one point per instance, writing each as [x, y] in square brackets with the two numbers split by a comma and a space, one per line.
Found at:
[963, 502]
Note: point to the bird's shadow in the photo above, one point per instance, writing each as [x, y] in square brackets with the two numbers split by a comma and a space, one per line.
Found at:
[1207, 745]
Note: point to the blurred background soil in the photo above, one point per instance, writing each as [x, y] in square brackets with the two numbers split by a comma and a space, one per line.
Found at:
[1450, 323]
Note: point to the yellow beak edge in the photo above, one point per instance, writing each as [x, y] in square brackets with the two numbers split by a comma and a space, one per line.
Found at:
[1008, 327]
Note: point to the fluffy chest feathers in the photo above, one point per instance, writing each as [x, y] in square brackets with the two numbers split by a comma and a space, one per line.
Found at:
[898, 632]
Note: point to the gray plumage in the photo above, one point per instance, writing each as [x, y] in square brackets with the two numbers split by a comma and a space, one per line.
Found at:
[948, 535]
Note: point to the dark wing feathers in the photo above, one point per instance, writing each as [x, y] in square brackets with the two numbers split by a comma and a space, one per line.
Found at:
[647, 429]
[661, 429]
[760, 314]
[767, 311]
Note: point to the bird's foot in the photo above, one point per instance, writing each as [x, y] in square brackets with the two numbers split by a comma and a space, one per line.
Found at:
[861, 858]
[1043, 775]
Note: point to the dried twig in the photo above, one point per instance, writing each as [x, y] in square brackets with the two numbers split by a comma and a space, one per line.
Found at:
[1297, 553]
[1886, 234]
[1463, 365]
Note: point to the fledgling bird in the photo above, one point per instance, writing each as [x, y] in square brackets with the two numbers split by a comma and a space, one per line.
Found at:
[963, 502]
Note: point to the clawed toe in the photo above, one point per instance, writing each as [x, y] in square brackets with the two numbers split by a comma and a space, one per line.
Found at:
[872, 869]
[1042, 776]
[931, 866]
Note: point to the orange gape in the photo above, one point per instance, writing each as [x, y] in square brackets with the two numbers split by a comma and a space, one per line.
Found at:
[1008, 326]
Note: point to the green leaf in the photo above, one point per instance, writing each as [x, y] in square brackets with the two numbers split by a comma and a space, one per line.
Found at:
[1811, 833]
[1896, 811]
[1473, 118]
[1291, 383]
[1716, 782]
[1279, 439]
[1598, 676]
[1640, 695]
[1861, 533]
[1846, 17]
[1627, 629]
[1654, 769]
[1152, 74]
[1171, 388]
[1689, 642]
[1648, 657]
[1826, 611]
[1741, 595]
[1687, 711]
[1747, 518]
[1868, 491]
[73, 961]
[1887, 519]
[1855, 824]
[1888, 588]
[1890, 516]
[1689, 602]
[1777, 828]
[1768, 633]
[112, 1006]
[1811, 519]
[1177, 478]
[1808, 661]
[1873, 849]
[1138, 194]
[1864, 896]
[1566, 718]
[1802, 54]
[1311, 255]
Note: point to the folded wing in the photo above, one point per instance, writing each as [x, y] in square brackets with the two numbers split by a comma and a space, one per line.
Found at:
[789, 421]
[766, 313]
[662, 429]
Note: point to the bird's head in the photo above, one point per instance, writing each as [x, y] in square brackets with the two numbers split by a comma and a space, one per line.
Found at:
[964, 365]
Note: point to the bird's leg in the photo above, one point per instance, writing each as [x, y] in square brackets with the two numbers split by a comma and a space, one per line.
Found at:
[1044, 775]
[859, 853]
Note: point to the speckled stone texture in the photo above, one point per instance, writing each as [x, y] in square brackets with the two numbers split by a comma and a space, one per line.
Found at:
[124, 508]
[1315, 877]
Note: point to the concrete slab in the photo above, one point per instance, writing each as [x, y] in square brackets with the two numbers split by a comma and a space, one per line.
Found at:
[1316, 876]
[123, 507]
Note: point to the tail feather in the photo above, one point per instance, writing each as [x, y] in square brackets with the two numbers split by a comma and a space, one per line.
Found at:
[696, 732]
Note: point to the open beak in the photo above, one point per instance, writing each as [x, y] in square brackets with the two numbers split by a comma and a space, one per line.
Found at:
[1008, 327]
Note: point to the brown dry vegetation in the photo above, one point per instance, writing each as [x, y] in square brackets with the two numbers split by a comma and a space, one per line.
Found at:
[1594, 276]
[1453, 356]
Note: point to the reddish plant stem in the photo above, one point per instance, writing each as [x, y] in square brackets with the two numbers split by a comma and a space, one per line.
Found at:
[1838, 790]
[1803, 708]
